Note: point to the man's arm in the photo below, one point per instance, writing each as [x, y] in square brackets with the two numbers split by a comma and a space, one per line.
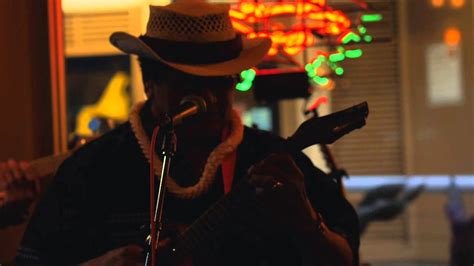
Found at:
[64, 230]
[338, 215]
[321, 246]
[331, 240]
[55, 224]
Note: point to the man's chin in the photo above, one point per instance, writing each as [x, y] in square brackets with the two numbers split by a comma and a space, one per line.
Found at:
[199, 130]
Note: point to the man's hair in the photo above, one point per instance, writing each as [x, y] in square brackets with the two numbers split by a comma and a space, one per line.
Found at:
[161, 73]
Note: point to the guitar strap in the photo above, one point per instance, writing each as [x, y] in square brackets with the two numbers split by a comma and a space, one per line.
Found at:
[228, 165]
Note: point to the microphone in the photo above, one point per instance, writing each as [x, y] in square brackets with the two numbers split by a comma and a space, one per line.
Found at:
[189, 105]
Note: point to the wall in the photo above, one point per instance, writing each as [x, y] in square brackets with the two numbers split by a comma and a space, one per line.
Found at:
[25, 105]
[440, 136]
[24, 74]
[428, 237]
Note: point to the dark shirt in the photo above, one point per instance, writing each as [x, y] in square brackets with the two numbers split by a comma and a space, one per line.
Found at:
[99, 201]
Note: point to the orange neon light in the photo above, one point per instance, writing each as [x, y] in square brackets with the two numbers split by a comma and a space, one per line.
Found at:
[452, 36]
[242, 27]
[437, 3]
[319, 18]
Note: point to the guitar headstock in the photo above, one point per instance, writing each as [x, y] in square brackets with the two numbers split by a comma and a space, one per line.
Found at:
[329, 128]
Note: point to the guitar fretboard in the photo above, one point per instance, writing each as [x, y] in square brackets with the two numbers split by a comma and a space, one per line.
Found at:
[239, 206]
[43, 168]
[47, 166]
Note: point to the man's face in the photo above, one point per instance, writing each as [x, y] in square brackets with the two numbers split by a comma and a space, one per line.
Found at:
[215, 91]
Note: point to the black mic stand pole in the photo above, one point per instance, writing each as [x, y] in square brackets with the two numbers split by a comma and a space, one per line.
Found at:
[335, 172]
[168, 150]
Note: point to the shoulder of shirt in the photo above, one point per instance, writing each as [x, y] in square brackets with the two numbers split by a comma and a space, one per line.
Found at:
[106, 147]
[261, 137]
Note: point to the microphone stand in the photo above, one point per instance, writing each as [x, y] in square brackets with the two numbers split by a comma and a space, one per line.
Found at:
[168, 150]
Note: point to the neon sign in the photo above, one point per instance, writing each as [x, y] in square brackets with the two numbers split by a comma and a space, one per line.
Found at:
[319, 101]
[316, 20]
[247, 77]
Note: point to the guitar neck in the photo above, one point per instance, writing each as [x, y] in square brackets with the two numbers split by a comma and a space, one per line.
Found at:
[241, 206]
[236, 207]
[43, 168]
[47, 166]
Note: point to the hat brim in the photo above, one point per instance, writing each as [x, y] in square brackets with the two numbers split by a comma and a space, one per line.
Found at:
[254, 50]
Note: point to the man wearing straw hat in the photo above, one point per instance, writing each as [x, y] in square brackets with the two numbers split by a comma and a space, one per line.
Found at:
[95, 210]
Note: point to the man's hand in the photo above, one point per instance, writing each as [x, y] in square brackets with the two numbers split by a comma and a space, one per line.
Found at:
[280, 186]
[19, 186]
[129, 255]
[18, 181]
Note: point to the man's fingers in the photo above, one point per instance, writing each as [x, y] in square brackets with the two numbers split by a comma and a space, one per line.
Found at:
[132, 249]
[286, 164]
[30, 175]
[261, 180]
[277, 165]
[8, 176]
[5, 174]
[27, 170]
[14, 168]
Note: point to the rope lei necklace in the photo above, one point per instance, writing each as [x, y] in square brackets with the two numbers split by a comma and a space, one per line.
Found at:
[213, 162]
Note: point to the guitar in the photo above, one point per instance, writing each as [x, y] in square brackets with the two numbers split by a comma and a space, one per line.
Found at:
[241, 203]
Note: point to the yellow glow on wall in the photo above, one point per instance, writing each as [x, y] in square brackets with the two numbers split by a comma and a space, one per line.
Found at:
[74, 6]
[113, 104]
[452, 36]
[437, 3]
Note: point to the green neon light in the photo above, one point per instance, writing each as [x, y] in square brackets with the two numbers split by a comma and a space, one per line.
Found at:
[244, 86]
[336, 57]
[316, 64]
[356, 53]
[310, 70]
[321, 80]
[308, 67]
[368, 38]
[339, 71]
[371, 17]
[351, 37]
[248, 76]
[362, 29]
[332, 65]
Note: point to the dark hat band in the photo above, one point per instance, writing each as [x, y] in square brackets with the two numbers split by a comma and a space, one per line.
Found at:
[195, 53]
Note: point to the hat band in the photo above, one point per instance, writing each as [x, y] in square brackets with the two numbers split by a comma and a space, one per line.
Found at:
[195, 53]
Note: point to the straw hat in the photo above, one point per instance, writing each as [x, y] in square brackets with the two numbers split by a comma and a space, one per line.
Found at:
[195, 37]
